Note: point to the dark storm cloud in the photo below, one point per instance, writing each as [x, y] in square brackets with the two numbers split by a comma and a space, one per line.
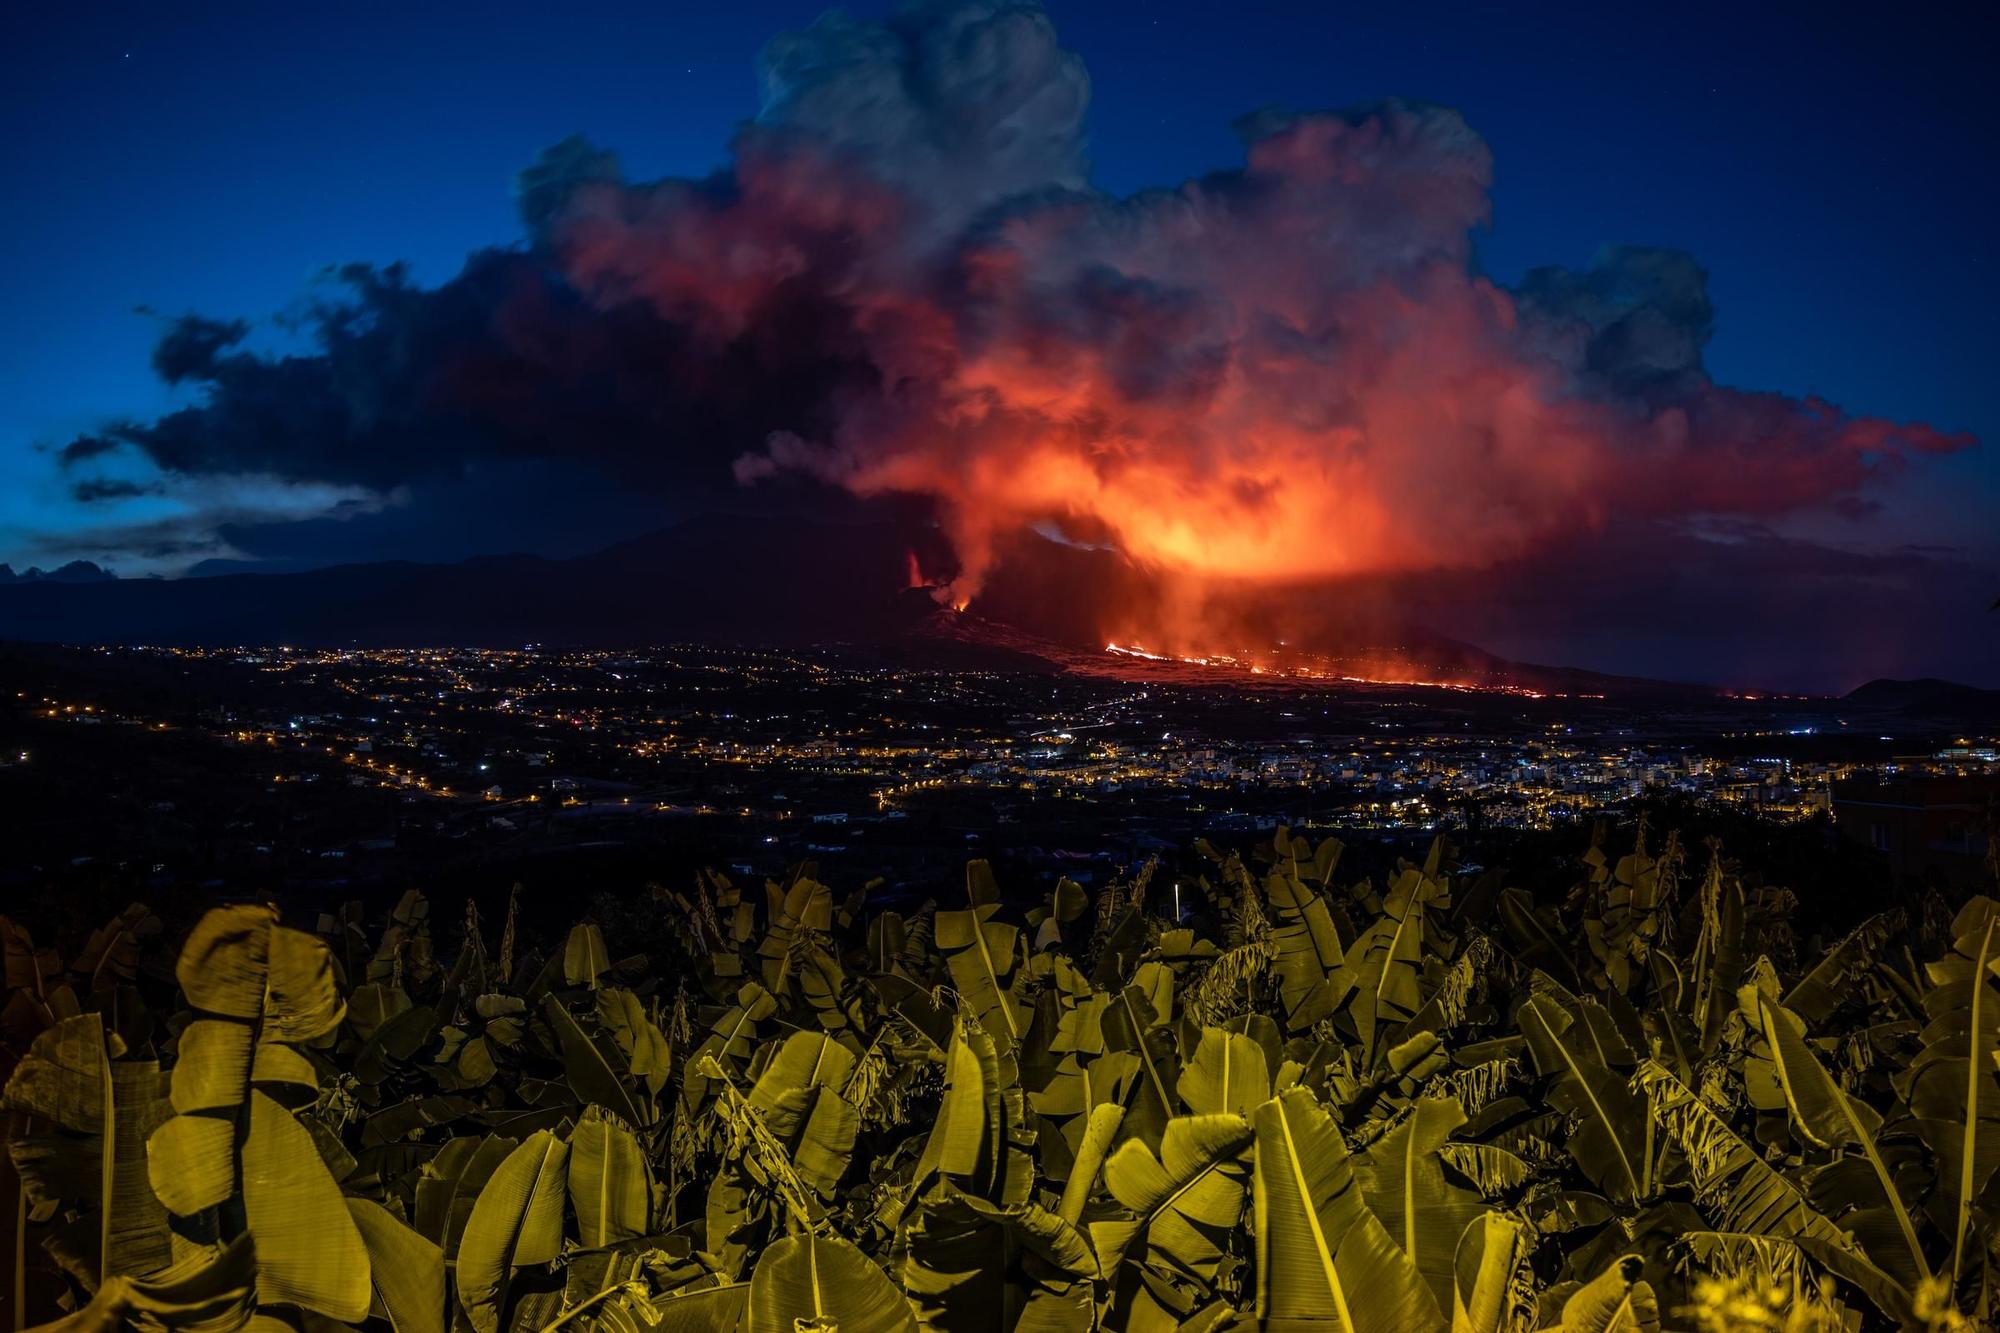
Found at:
[195, 348]
[168, 539]
[961, 103]
[86, 447]
[543, 190]
[97, 490]
[1642, 315]
[404, 384]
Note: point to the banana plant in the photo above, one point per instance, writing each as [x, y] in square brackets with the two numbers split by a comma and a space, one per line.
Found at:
[981, 953]
[1347, 1106]
[1307, 948]
[1607, 1136]
[1856, 1185]
[1951, 1089]
[1382, 973]
[1164, 1247]
[83, 1150]
[1405, 1183]
[1747, 1198]
[259, 992]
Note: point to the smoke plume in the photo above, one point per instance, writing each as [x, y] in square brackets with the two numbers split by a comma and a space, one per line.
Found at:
[1287, 371]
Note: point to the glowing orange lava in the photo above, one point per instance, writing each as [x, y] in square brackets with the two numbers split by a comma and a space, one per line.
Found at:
[1315, 667]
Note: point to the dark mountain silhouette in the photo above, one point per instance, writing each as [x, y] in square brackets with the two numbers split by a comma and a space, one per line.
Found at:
[76, 571]
[728, 579]
[1929, 697]
[715, 577]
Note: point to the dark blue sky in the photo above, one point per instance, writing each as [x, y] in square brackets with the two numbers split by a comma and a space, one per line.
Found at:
[1832, 170]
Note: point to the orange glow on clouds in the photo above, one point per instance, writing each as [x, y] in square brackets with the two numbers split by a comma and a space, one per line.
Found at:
[1286, 374]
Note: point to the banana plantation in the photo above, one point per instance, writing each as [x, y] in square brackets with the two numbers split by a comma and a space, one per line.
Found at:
[1433, 1102]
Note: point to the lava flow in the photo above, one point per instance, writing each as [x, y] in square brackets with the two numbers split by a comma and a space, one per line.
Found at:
[1372, 670]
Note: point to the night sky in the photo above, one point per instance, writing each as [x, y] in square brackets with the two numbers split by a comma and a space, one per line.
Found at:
[1830, 171]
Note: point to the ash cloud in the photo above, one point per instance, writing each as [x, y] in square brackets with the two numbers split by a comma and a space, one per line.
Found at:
[1285, 372]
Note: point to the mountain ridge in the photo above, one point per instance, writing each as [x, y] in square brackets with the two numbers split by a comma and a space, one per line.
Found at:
[725, 578]
[1927, 695]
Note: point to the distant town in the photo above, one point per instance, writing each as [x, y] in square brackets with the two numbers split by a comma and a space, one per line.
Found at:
[761, 758]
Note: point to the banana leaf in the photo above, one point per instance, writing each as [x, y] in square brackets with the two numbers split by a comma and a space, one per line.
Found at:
[1133, 1026]
[798, 1096]
[308, 1250]
[372, 1004]
[584, 955]
[394, 1043]
[407, 1119]
[977, 1141]
[1489, 1265]
[450, 1182]
[1493, 1170]
[1764, 1260]
[735, 1220]
[645, 1048]
[285, 1072]
[699, 1309]
[1322, 1255]
[1617, 1301]
[516, 1221]
[1402, 1178]
[732, 1039]
[302, 1000]
[135, 1229]
[225, 962]
[1744, 1195]
[1535, 944]
[1732, 1181]
[1814, 996]
[980, 954]
[1181, 1205]
[210, 1292]
[1228, 1075]
[61, 1078]
[212, 1065]
[70, 1157]
[808, 1281]
[804, 906]
[191, 1161]
[238, 962]
[111, 954]
[610, 1185]
[973, 1264]
[917, 1006]
[407, 1270]
[1717, 965]
[1092, 1151]
[1074, 1093]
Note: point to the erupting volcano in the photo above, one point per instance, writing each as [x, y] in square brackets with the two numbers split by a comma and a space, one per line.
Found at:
[1268, 379]
[1279, 403]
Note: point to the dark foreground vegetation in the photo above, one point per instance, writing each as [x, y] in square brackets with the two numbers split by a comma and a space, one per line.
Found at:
[1650, 1089]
